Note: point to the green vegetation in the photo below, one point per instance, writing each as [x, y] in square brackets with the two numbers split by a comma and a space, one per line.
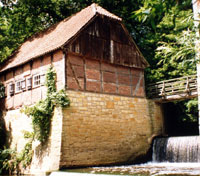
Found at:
[10, 159]
[42, 111]
[41, 114]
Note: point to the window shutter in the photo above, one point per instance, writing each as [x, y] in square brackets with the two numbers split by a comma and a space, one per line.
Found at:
[29, 83]
[42, 79]
[23, 84]
[11, 89]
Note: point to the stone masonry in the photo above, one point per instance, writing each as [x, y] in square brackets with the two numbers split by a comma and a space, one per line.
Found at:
[97, 129]
[100, 129]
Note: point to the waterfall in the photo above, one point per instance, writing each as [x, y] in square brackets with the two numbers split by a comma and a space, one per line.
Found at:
[176, 149]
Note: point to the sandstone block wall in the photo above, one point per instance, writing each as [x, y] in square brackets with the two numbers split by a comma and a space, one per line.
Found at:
[45, 158]
[97, 129]
[101, 129]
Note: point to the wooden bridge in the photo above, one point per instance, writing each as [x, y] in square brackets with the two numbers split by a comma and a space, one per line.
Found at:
[173, 89]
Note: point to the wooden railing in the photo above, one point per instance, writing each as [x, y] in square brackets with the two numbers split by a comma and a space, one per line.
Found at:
[174, 89]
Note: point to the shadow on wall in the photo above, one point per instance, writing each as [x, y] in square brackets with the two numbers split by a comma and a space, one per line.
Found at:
[2, 131]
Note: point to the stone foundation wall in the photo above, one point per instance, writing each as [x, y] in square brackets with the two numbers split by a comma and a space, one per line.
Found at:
[100, 129]
[45, 158]
[97, 129]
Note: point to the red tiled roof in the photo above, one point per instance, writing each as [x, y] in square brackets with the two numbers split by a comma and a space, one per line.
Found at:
[56, 36]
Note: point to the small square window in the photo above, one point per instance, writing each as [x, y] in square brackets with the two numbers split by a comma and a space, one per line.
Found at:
[18, 86]
[36, 80]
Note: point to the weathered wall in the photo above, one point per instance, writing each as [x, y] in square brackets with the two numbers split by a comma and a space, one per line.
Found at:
[88, 74]
[38, 66]
[108, 40]
[46, 158]
[97, 129]
[105, 129]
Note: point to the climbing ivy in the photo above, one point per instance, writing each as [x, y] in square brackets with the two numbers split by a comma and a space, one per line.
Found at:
[41, 114]
[42, 111]
[10, 159]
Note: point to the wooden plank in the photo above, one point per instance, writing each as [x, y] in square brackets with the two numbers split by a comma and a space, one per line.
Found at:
[172, 98]
[194, 77]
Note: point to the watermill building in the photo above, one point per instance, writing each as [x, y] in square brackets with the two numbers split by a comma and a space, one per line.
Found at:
[110, 120]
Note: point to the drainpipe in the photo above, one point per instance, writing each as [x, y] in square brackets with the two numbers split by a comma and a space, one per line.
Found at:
[196, 12]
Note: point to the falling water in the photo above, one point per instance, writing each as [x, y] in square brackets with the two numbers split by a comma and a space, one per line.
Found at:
[177, 149]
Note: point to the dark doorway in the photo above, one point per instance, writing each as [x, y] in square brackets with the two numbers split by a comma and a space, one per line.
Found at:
[178, 120]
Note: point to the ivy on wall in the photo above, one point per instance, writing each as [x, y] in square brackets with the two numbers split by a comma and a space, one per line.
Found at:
[41, 114]
[42, 111]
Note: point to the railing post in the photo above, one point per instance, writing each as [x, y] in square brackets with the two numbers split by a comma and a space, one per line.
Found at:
[187, 88]
[163, 89]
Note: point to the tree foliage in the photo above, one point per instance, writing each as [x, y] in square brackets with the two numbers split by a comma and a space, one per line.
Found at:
[171, 37]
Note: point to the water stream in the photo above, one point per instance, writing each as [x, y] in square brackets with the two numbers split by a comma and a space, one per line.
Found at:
[177, 149]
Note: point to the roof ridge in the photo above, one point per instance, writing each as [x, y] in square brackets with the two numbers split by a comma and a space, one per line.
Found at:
[94, 8]
[55, 36]
[100, 10]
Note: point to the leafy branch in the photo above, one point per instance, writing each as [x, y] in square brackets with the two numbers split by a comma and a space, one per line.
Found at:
[42, 111]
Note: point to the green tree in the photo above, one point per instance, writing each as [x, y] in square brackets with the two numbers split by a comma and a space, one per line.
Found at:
[170, 45]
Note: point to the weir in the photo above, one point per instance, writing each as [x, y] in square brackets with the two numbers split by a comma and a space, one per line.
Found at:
[176, 149]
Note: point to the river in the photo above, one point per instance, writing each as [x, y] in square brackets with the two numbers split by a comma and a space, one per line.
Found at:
[147, 169]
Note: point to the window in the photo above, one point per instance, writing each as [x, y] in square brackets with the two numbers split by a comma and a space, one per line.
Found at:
[18, 86]
[36, 80]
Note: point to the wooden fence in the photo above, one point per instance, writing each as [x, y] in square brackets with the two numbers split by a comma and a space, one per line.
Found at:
[173, 89]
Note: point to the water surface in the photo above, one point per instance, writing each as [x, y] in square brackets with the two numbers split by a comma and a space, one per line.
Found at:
[148, 169]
